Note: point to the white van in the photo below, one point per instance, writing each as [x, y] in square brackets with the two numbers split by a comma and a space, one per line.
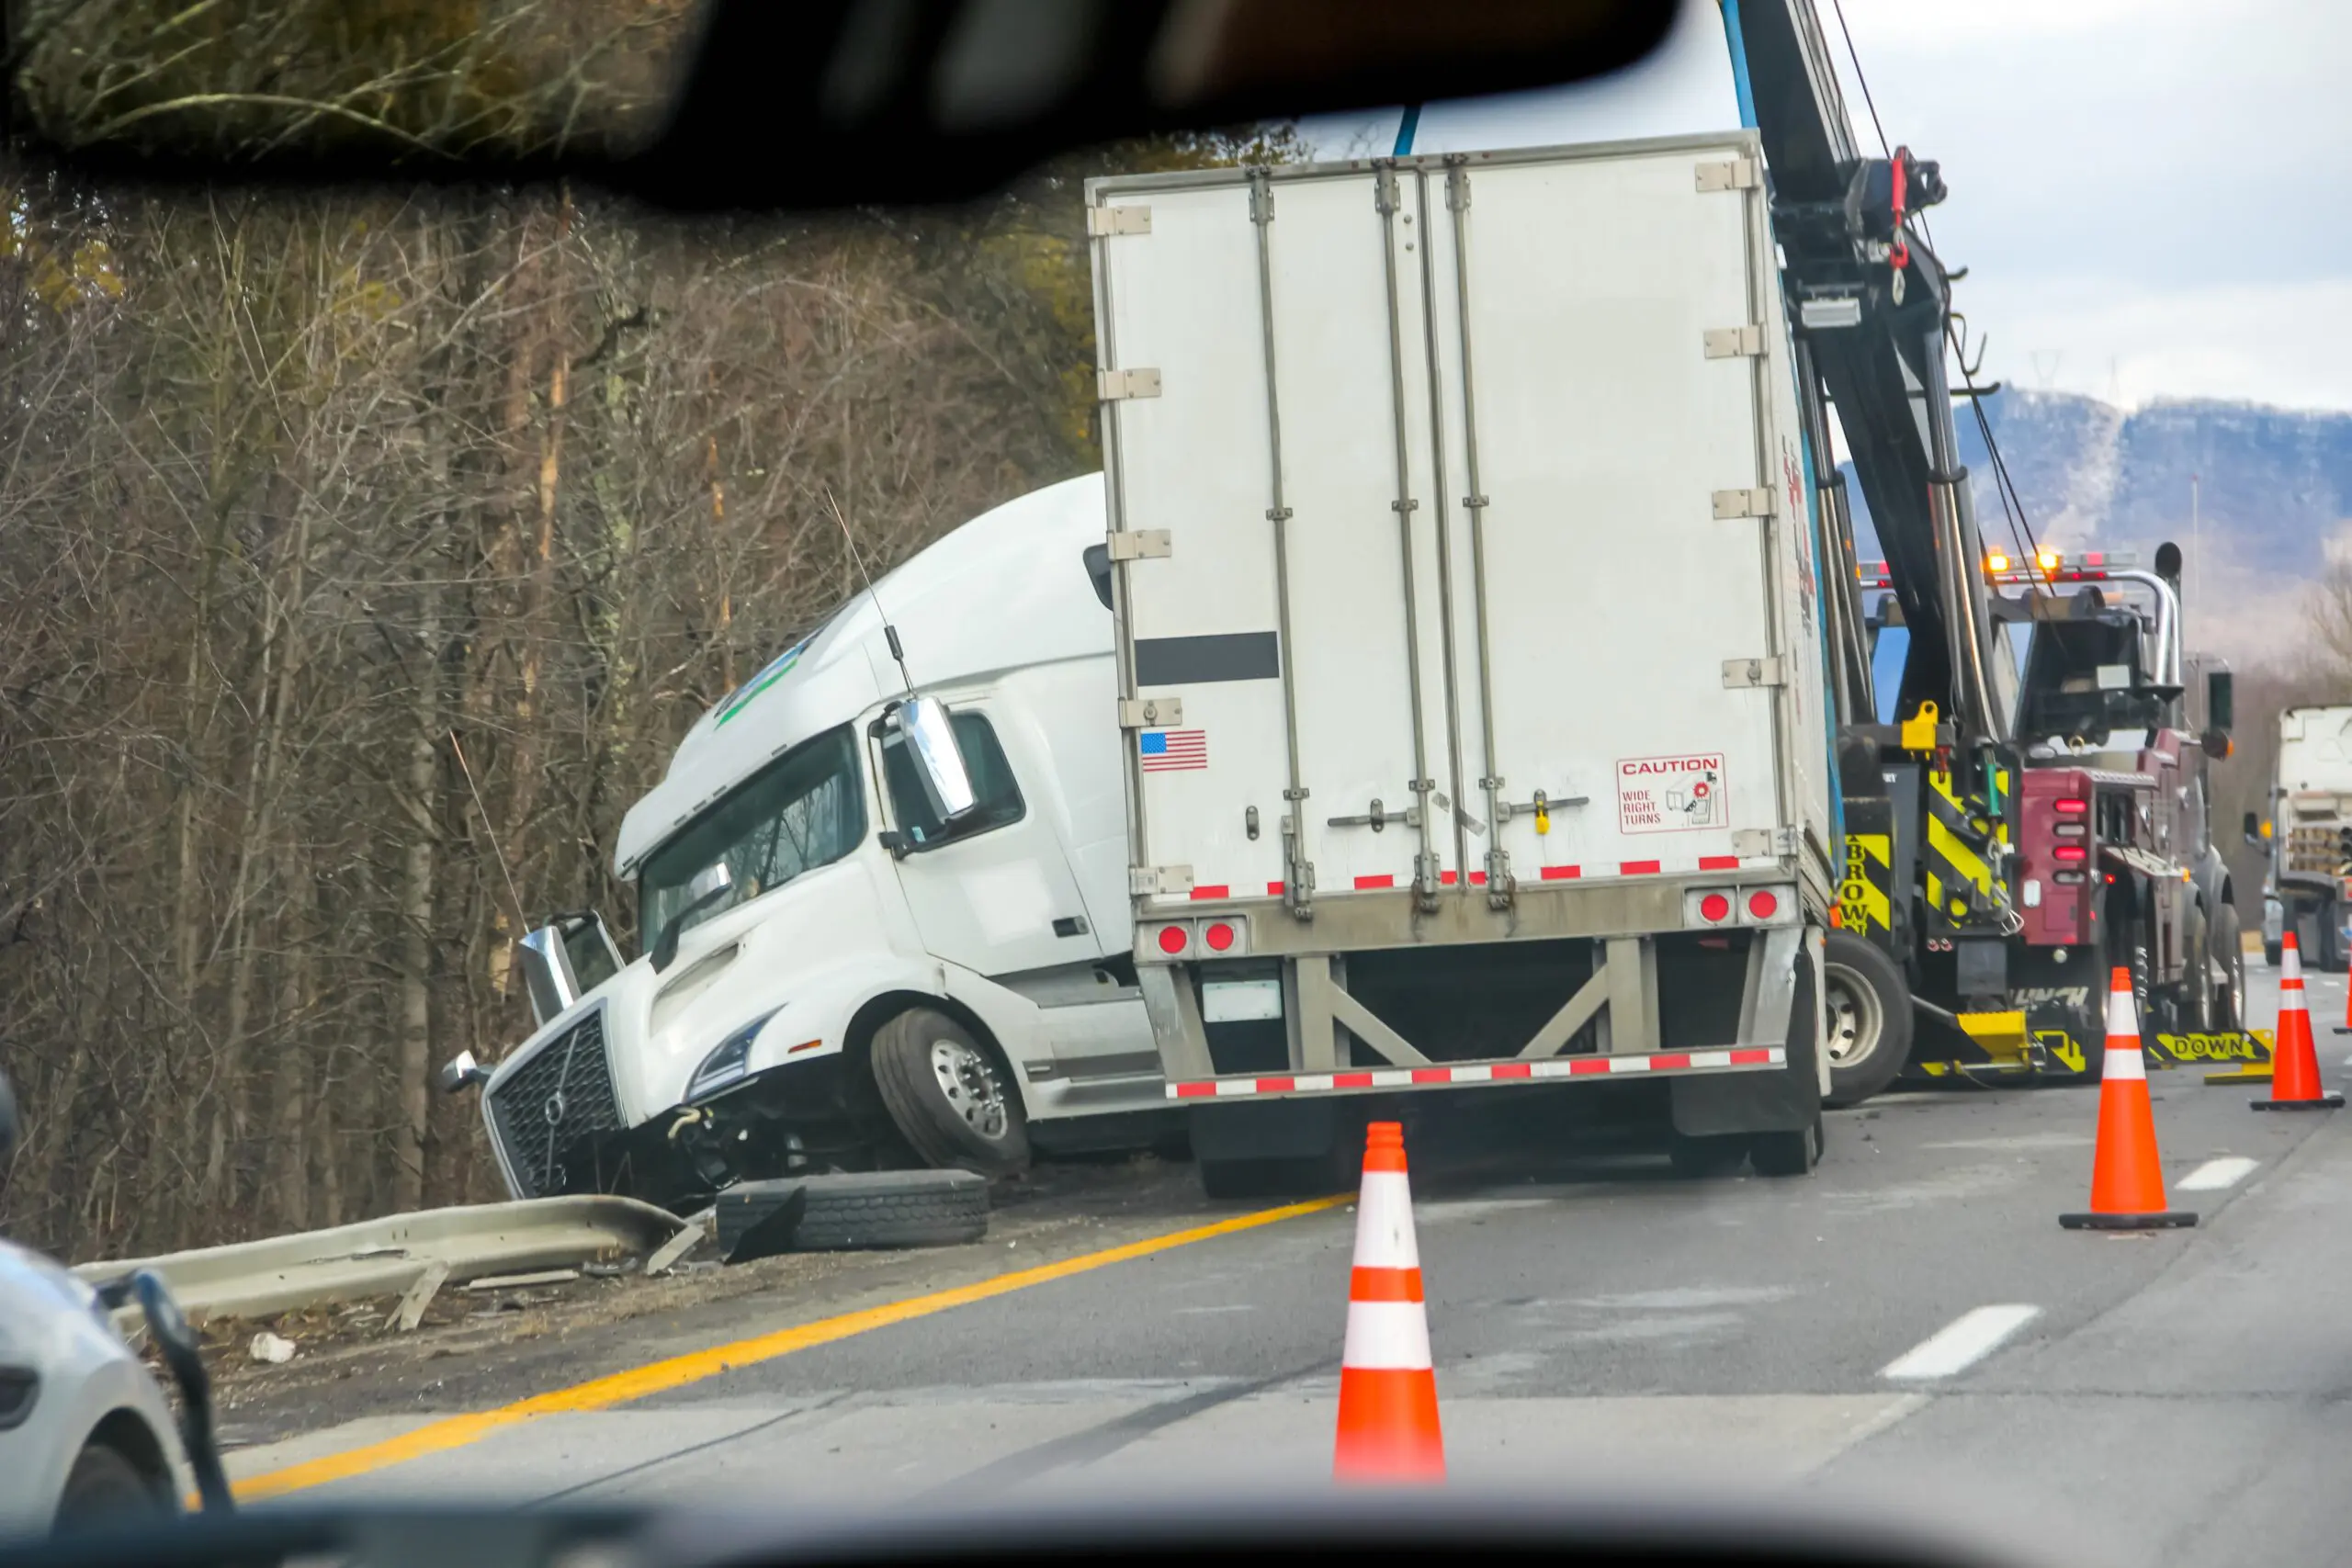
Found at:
[839, 962]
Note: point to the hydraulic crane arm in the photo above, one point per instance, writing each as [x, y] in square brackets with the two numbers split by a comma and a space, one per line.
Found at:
[1872, 304]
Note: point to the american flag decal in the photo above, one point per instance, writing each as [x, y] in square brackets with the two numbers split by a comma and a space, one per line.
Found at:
[1174, 751]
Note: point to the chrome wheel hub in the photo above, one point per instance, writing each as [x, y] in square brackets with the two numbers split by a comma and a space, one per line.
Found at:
[1855, 1019]
[967, 1081]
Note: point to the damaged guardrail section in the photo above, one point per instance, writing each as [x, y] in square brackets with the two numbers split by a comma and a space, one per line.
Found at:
[392, 1255]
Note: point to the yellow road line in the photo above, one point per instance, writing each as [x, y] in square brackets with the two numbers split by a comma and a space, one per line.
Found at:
[619, 1388]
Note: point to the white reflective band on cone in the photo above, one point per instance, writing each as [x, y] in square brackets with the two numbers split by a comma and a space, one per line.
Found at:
[1387, 1336]
[2122, 1018]
[2123, 1064]
[1385, 1222]
[2291, 965]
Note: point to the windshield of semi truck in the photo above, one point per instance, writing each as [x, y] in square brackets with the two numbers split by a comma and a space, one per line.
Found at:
[804, 810]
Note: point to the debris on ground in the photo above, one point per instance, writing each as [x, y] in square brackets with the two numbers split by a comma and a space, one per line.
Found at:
[519, 1282]
[274, 1348]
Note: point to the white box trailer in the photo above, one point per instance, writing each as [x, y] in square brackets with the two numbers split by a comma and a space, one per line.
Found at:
[1468, 640]
[2311, 838]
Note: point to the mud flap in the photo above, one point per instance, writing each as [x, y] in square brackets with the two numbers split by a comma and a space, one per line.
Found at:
[1787, 1101]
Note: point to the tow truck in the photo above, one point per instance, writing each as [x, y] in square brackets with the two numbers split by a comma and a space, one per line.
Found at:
[2021, 775]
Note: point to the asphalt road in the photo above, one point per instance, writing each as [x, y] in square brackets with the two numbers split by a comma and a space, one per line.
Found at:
[1908, 1332]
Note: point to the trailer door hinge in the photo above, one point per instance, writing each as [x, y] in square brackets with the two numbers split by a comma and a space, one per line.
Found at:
[1139, 544]
[1741, 672]
[1755, 844]
[1101, 222]
[1738, 173]
[1744, 503]
[1111, 386]
[1151, 713]
[1733, 343]
[1160, 881]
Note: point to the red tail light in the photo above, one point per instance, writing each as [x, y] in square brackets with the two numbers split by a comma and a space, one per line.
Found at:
[2070, 807]
[1715, 907]
[1218, 936]
[2069, 854]
[1172, 938]
[1761, 903]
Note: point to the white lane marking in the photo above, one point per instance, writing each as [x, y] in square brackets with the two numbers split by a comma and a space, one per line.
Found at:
[2216, 1174]
[1961, 1344]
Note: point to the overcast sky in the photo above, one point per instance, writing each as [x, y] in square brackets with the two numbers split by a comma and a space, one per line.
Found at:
[2146, 193]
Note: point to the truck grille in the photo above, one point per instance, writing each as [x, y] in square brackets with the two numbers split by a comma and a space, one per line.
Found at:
[552, 1111]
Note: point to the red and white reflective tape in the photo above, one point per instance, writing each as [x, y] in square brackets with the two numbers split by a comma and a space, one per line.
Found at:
[1484, 1072]
[1385, 882]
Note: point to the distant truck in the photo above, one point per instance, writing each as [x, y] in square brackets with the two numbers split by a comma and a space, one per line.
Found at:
[1469, 654]
[884, 904]
[2308, 836]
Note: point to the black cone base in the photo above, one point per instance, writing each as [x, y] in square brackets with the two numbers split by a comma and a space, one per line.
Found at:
[2324, 1103]
[2167, 1220]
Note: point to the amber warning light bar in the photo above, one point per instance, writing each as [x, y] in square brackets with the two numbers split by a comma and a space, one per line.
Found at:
[2049, 566]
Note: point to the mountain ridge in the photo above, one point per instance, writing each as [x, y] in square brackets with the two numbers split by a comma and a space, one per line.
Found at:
[2273, 503]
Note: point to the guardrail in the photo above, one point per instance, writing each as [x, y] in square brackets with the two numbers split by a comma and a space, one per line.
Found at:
[389, 1256]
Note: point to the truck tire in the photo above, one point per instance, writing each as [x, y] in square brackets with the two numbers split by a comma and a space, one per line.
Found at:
[1310, 1176]
[1794, 1153]
[2229, 950]
[948, 1095]
[1699, 1158]
[1786, 1154]
[1867, 1011]
[2194, 1011]
[860, 1210]
[105, 1490]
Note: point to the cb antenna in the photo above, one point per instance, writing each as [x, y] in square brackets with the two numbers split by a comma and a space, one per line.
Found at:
[889, 632]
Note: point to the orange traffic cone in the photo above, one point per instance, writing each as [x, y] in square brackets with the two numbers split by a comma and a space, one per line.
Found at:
[2126, 1174]
[2294, 1059]
[1388, 1428]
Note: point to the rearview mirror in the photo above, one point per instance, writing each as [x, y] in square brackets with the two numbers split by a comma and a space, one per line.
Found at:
[939, 762]
[729, 104]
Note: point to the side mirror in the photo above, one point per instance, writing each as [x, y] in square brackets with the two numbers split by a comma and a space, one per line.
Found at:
[185, 1356]
[546, 973]
[2253, 833]
[461, 1072]
[11, 1128]
[930, 737]
[2221, 701]
[566, 959]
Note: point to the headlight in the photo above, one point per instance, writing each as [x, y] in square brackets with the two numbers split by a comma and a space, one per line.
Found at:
[731, 1060]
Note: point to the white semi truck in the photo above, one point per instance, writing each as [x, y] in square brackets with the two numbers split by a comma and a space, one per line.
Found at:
[863, 938]
[2308, 833]
[1470, 655]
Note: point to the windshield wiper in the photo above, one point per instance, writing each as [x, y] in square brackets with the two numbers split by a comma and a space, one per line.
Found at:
[711, 884]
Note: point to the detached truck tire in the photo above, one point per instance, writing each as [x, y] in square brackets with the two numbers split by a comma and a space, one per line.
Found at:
[840, 1213]
[1867, 1005]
